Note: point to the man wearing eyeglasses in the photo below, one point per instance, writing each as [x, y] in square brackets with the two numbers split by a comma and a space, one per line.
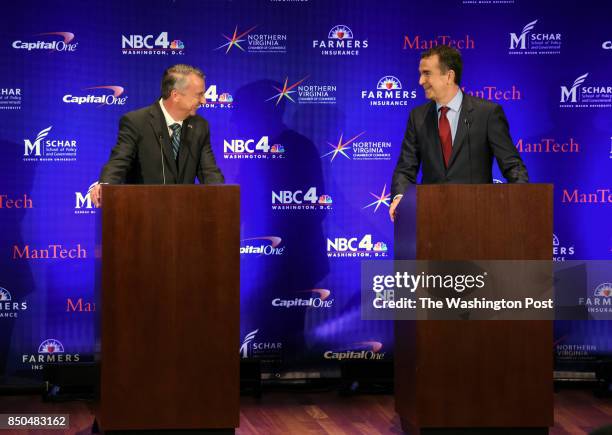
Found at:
[166, 142]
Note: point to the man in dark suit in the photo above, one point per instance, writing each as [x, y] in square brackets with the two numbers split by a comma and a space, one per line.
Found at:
[167, 142]
[455, 136]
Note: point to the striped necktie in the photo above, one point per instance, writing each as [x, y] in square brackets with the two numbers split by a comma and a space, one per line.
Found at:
[176, 138]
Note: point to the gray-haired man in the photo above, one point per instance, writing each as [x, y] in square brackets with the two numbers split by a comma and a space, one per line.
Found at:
[166, 142]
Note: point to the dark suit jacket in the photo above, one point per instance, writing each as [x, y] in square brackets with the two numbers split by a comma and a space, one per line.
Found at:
[143, 146]
[482, 133]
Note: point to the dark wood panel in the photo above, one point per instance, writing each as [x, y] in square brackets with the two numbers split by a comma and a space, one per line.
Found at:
[170, 307]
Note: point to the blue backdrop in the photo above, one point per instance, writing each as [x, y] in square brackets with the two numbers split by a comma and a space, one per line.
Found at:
[307, 102]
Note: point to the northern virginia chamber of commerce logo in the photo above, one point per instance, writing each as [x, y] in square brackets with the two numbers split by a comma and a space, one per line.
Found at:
[340, 42]
[151, 44]
[362, 149]
[302, 93]
[49, 149]
[531, 42]
[253, 42]
[50, 41]
[384, 198]
[365, 350]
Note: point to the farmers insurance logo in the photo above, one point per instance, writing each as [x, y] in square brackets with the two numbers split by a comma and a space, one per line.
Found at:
[99, 95]
[251, 348]
[252, 149]
[358, 149]
[319, 299]
[368, 350]
[10, 98]
[340, 42]
[9, 307]
[151, 45]
[262, 246]
[388, 92]
[49, 351]
[561, 252]
[296, 92]
[356, 247]
[579, 95]
[601, 302]
[43, 149]
[257, 43]
[83, 204]
[300, 200]
[215, 100]
[529, 42]
[51, 41]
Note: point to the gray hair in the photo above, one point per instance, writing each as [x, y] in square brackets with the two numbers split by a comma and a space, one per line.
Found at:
[175, 77]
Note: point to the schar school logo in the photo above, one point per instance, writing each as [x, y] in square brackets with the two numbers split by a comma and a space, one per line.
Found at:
[548, 145]
[83, 204]
[601, 302]
[42, 149]
[304, 94]
[151, 45]
[356, 247]
[9, 307]
[419, 43]
[388, 92]
[340, 42]
[49, 351]
[254, 42]
[262, 246]
[585, 96]
[252, 149]
[369, 350]
[300, 200]
[561, 252]
[261, 350]
[10, 98]
[214, 100]
[382, 199]
[101, 97]
[529, 42]
[359, 150]
[320, 301]
[50, 42]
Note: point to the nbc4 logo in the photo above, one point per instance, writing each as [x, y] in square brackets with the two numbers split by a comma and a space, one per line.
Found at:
[355, 247]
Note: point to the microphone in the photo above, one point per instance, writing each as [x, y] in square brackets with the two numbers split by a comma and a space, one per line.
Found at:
[468, 124]
[161, 153]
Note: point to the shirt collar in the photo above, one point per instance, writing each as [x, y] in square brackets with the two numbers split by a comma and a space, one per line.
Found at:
[454, 104]
[167, 117]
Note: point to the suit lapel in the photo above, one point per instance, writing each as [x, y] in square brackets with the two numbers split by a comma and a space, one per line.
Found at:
[434, 136]
[185, 150]
[158, 123]
[462, 128]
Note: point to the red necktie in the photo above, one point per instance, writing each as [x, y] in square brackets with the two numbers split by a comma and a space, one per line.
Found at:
[445, 135]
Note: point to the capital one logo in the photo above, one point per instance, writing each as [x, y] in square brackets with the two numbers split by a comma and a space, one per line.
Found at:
[84, 201]
[34, 147]
[570, 94]
[521, 41]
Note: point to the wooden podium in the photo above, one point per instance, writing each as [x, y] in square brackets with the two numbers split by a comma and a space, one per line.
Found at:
[477, 377]
[170, 306]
